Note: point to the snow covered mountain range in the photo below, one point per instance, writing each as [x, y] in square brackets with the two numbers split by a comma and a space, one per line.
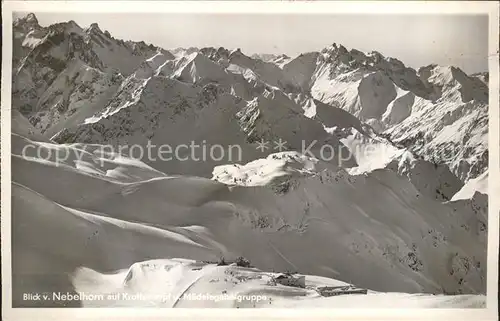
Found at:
[397, 204]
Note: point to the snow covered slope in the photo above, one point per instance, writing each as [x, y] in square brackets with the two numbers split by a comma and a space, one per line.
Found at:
[479, 184]
[412, 243]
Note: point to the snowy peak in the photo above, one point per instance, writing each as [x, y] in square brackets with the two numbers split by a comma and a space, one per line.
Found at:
[95, 34]
[299, 71]
[114, 54]
[281, 60]
[154, 66]
[442, 105]
[215, 53]
[50, 55]
[31, 18]
[28, 22]
[237, 53]
[61, 45]
[270, 57]
[94, 28]
[343, 60]
[198, 67]
[72, 68]
[257, 70]
[483, 76]
[341, 55]
[449, 78]
[66, 28]
[426, 83]
[27, 33]
[218, 55]
[179, 52]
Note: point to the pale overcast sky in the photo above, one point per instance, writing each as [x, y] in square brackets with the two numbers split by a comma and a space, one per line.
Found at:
[417, 40]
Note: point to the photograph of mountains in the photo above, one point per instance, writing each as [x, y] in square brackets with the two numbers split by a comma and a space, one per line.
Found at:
[216, 176]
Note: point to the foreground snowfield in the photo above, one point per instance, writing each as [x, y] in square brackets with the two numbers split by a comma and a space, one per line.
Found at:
[191, 284]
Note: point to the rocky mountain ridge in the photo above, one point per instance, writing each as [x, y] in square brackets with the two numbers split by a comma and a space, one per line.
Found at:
[67, 67]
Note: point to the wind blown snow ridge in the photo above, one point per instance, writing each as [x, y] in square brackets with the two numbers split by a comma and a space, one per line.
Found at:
[148, 177]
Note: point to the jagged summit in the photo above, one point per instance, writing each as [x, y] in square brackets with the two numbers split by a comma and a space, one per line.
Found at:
[29, 18]
[95, 30]
[483, 76]
[339, 51]
[184, 51]
[94, 27]
[281, 57]
[237, 53]
[26, 24]
[269, 57]
[220, 55]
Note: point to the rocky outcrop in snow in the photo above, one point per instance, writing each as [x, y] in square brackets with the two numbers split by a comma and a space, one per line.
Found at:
[61, 67]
